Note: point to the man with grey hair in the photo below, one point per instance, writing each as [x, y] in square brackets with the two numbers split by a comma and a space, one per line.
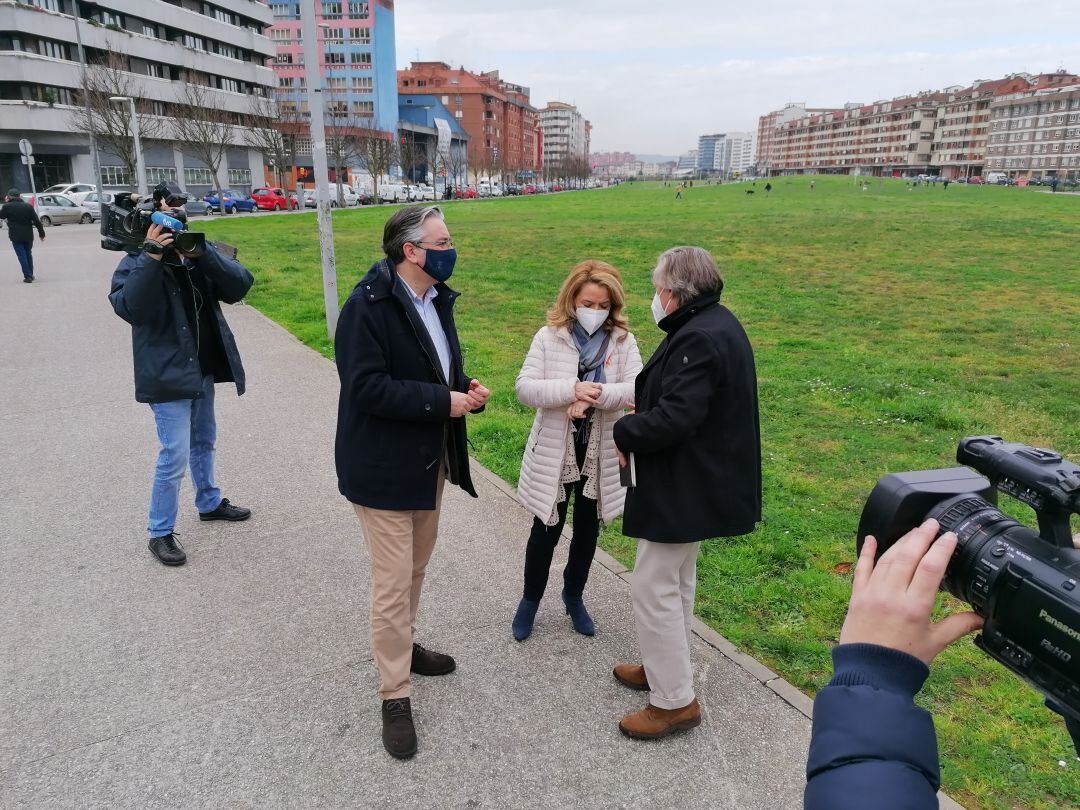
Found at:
[400, 436]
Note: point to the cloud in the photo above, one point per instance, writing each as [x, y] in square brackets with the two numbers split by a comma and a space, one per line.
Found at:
[652, 78]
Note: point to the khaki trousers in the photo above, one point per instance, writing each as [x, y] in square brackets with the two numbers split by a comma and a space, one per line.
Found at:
[400, 544]
[664, 584]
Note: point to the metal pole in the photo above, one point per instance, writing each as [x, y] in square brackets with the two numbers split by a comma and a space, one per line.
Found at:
[140, 166]
[318, 154]
[89, 117]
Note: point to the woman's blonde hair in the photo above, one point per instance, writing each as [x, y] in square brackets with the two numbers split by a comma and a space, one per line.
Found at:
[590, 271]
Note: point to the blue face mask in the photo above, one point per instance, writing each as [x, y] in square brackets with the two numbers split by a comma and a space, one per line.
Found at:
[439, 264]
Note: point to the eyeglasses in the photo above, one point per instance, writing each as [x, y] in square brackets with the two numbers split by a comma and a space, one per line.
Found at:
[442, 244]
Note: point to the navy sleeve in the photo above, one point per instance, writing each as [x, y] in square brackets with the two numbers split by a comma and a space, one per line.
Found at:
[872, 748]
[231, 279]
[366, 383]
[137, 288]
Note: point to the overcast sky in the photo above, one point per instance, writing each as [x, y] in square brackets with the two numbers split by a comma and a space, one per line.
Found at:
[652, 76]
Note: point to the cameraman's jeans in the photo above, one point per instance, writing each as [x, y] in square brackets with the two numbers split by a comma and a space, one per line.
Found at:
[663, 588]
[187, 431]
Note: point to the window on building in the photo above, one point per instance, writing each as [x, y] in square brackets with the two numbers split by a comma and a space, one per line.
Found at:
[228, 51]
[284, 59]
[335, 35]
[193, 42]
[361, 36]
[363, 107]
[303, 146]
[359, 9]
[335, 83]
[155, 69]
[363, 83]
[115, 176]
[198, 177]
[56, 50]
[458, 114]
[149, 30]
[331, 11]
[335, 59]
[282, 11]
[363, 60]
[221, 15]
[337, 109]
[159, 174]
[108, 18]
[239, 177]
[230, 85]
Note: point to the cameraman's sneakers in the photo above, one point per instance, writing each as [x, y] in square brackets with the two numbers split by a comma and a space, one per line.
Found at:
[168, 550]
[226, 511]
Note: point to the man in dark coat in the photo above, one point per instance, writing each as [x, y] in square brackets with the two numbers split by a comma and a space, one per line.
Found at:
[181, 347]
[22, 219]
[400, 436]
[694, 445]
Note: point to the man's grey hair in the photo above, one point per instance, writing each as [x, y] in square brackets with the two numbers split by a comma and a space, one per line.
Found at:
[406, 226]
[689, 272]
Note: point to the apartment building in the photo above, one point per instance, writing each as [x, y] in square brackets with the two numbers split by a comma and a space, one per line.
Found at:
[765, 147]
[728, 154]
[566, 133]
[218, 44]
[1036, 134]
[497, 114]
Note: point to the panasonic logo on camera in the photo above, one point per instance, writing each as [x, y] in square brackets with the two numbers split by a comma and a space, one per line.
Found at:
[1071, 632]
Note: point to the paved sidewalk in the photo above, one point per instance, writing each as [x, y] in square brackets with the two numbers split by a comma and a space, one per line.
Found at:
[245, 678]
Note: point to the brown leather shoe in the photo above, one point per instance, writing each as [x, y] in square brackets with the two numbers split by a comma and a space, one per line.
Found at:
[632, 676]
[652, 723]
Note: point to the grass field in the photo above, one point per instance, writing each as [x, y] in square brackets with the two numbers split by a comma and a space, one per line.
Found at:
[887, 324]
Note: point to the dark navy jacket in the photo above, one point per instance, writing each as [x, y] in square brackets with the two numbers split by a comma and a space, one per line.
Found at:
[872, 748]
[149, 297]
[394, 431]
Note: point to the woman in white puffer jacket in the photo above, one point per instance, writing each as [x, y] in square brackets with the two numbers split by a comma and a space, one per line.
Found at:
[579, 375]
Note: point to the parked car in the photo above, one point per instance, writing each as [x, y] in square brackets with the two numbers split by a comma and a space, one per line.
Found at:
[93, 205]
[996, 178]
[976, 181]
[272, 199]
[528, 189]
[197, 208]
[366, 197]
[76, 192]
[310, 198]
[423, 192]
[556, 187]
[233, 201]
[393, 192]
[56, 209]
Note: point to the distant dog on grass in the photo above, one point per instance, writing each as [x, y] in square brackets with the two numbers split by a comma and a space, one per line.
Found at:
[749, 191]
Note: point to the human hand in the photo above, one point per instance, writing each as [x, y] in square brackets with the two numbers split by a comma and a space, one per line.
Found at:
[588, 392]
[891, 600]
[623, 461]
[159, 236]
[479, 392]
[461, 404]
[578, 410]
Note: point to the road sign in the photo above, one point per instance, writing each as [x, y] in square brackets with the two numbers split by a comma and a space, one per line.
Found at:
[25, 148]
[28, 160]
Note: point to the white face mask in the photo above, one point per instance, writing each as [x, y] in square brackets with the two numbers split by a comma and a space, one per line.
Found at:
[591, 319]
[658, 311]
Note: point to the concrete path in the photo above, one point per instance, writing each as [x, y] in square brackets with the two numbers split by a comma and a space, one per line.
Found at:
[245, 678]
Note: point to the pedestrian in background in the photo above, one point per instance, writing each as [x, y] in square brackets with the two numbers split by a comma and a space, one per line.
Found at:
[400, 437]
[181, 347]
[579, 375]
[694, 445]
[22, 219]
[678, 191]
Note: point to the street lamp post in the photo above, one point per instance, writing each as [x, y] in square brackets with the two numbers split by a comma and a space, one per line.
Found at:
[316, 114]
[89, 116]
[140, 167]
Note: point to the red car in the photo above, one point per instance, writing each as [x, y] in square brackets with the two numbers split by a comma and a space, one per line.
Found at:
[976, 181]
[467, 193]
[556, 187]
[273, 199]
[529, 189]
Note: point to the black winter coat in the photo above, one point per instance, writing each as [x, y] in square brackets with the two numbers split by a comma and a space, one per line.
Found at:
[394, 430]
[146, 294]
[694, 434]
[871, 746]
[21, 219]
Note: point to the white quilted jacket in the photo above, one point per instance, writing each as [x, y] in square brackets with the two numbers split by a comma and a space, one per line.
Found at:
[546, 382]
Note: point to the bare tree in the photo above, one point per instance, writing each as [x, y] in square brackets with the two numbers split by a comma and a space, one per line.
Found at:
[203, 125]
[273, 131]
[413, 154]
[343, 136]
[456, 161]
[376, 152]
[111, 122]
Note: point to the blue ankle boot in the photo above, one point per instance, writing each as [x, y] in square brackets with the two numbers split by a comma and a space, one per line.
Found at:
[575, 609]
[524, 618]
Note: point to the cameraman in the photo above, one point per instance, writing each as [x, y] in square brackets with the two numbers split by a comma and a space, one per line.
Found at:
[872, 748]
[182, 346]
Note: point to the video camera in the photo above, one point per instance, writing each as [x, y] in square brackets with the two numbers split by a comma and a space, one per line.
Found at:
[1022, 582]
[126, 222]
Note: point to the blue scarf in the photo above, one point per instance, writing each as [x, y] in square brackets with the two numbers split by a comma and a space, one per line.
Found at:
[592, 351]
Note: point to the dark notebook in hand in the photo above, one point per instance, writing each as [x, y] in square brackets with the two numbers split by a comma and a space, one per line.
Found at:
[628, 474]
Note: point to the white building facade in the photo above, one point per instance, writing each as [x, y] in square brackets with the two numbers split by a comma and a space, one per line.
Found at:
[565, 133]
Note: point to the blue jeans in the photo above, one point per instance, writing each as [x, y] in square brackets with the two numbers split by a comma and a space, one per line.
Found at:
[187, 431]
[24, 250]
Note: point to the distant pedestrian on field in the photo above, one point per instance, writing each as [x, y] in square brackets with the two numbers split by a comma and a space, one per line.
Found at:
[768, 188]
[401, 437]
[181, 347]
[946, 185]
[579, 375]
[678, 192]
[1053, 189]
[22, 219]
[813, 184]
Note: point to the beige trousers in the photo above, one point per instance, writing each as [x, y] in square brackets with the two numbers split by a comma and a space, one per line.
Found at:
[665, 580]
[400, 544]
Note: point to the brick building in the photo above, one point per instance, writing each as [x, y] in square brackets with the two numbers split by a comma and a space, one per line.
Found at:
[497, 115]
[766, 135]
[1037, 134]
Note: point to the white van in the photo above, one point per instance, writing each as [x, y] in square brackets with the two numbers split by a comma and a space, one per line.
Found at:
[393, 192]
[993, 178]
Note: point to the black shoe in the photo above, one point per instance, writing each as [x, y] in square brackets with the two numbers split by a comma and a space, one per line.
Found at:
[28, 279]
[398, 732]
[168, 550]
[226, 511]
[426, 662]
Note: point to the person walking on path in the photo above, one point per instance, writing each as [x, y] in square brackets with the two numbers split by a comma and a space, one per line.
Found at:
[579, 375]
[400, 436]
[22, 219]
[768, 188]
[946, 187]
[694, 444]
[181, 347]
